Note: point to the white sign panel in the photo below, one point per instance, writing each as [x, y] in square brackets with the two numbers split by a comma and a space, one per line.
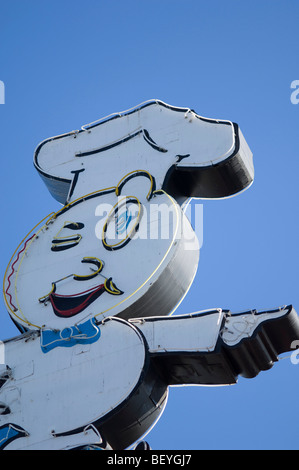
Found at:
[92, 288]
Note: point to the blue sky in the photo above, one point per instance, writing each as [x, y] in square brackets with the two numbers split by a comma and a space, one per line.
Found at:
[67, 63]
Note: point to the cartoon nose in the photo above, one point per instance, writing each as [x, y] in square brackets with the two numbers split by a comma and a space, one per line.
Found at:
[97, 262]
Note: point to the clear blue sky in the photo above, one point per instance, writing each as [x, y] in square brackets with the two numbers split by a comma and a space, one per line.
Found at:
[67, 63]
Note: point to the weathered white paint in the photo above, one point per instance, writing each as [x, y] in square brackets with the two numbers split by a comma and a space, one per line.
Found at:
[67, 388]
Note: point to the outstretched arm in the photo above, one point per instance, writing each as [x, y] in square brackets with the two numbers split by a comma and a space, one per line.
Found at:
[214, 347]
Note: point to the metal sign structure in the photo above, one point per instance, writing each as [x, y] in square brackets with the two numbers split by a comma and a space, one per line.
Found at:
[93, 286]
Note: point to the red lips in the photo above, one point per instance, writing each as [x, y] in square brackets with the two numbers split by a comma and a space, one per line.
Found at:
[69, 305]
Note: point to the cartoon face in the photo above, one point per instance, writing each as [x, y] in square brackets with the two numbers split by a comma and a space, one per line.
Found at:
[86, 261]
[100, 256]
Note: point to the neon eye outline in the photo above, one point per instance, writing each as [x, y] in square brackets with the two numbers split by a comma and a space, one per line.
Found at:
[114, 215]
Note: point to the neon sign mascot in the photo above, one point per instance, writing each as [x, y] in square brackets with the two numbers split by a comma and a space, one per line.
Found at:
[93, 286]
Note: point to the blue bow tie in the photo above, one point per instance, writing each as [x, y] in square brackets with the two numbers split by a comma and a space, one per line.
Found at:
[84, 333]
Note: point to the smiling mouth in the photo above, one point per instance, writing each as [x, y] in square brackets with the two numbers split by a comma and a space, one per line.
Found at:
[67, 306]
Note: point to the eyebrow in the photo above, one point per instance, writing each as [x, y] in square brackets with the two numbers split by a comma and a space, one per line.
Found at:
[65, 243]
